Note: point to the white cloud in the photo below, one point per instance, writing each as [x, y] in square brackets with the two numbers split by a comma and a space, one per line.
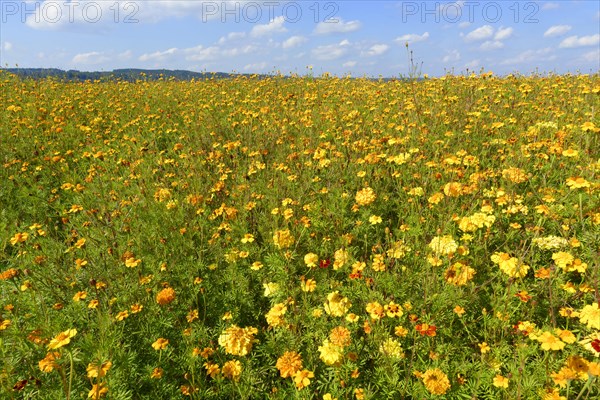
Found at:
[331, 51]
[256, 66]
[550, 5]
[7, 46]
[503, 33]
[126, 55]
[293, 42]
[592, 56]
[557, 30]
[376, 50]
[481, 33]
[93, 57]
[534, 56]
[274, 26]
[464, 24]
[412, 38]
[232, 36]
[576, 41]
[336, 25]
[158, 55]
[452, 56]
[349, 64]
[491, 45]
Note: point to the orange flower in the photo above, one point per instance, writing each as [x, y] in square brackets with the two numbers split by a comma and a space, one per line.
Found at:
[160, 344]
[165, 296]
[62, 339]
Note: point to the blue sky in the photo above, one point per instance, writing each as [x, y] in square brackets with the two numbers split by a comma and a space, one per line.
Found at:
[339, 37]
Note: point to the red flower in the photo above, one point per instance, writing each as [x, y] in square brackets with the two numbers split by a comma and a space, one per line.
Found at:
[324, 263]
[426, 329]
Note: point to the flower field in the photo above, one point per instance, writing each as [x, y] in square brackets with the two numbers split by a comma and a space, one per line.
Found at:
[300, 238]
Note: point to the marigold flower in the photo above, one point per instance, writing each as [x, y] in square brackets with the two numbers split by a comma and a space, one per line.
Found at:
[238, 341]
[98, 370]
[330, 353]
[365, 196]
[232, 369]
[289, 363]
[62, 339]
[500, 381]
[436, 381]
[283, 239]
[550, 342]
[97, 391]
[160, 344]
[391, 348]
[165, 296]
[336, 304]
[19, 238]
[302, 378]
[311, 260]
[590, 315]
[48, 363]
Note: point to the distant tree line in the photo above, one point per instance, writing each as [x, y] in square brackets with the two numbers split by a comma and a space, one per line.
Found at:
[128, 74]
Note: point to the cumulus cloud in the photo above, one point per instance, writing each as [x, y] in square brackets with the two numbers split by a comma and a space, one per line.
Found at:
[503, 33]
[158, 55]
[412, 38]
[93, 57]
[481, 33]
[274, 26]
[533, 56]
[331, 51]
[376, 50]
[336, 25]
[256, 66]
[232, 36]
[293, 42]
[491, 45]
[557, 30]
[7, 46]
[583, 41]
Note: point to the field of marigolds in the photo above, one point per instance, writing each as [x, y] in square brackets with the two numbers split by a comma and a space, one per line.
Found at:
[300, 238]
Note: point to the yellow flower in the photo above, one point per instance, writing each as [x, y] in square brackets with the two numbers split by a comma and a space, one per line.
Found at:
[62, 339]
[458, 310]
[19, 238]
[238, 341]
[484, 347]
[131, 262]
[275, 315]
[289, 363]
[232, 370]
[500, 381]
[590, 315]
[365, 196]
[443, 245]
[283, 239]
[47, 364]
[98, 370]
[340, 258]
[577, 183]
[311, 260]
[97, 391]
[336, 304]
[436, 381]
[160, 344]
[550, 342]
[302, 378]
[248, 238]
[391, 348]
[375, 219]
[308, 285]
[330, 353]
[157, 373]
[459, 274]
